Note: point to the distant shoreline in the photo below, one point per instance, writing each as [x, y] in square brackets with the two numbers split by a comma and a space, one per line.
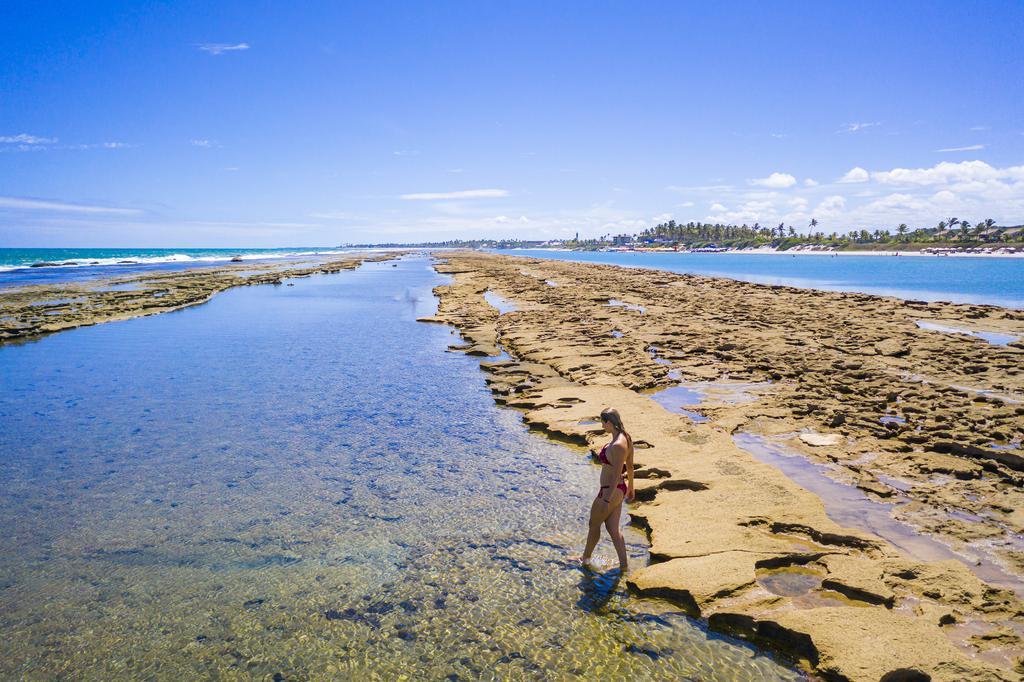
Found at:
[775, 252]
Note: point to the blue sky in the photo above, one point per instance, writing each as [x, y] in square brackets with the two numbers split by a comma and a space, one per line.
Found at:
[252, 124]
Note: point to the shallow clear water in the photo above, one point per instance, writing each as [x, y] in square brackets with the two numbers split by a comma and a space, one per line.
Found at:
[995, 338]
[848, 506]
[500, 302]
[997, 281]
[299, 481]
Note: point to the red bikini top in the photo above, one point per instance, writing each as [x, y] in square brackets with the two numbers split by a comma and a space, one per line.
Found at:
[604, 458]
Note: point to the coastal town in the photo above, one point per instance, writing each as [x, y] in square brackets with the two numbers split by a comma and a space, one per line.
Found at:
[950, 237]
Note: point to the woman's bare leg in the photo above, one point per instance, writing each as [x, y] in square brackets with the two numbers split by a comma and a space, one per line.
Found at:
[612, 524]
[598, 511]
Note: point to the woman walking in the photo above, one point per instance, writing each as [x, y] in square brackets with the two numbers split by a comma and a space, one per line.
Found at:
[616, 459]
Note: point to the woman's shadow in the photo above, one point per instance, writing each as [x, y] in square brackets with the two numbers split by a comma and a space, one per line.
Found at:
[597, 588]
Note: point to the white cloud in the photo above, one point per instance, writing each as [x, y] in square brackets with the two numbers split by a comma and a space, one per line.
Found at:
[462, 194]
[775, 181]
[200, 143]
[38, 205]
[830, 207]
[810, 182]
[978, 128]
[456, 170]
[947, 172]
[855, 174]
[405, 152]
[221, 48]
[855, 127]
[25, 138]
[718, 208]
[968, 148]
[685, 204]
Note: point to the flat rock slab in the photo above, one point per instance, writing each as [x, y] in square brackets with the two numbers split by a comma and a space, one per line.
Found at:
[821, 439]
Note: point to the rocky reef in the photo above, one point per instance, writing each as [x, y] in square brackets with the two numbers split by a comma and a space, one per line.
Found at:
[926, 423]
[33, 311]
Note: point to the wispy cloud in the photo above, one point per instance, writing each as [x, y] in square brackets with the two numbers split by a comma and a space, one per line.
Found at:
[40, 205]
[855, 127]
[99, 145]
[201, 143]
[25, 138]
[775, 181]
[462, 194]
[24, 142]
[336, 215]
[682, 189]
[221, 48]
[968, 148]
[405, 152]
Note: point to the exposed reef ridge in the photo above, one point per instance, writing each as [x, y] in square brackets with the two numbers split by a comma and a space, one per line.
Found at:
[896, 411]
[35, 310]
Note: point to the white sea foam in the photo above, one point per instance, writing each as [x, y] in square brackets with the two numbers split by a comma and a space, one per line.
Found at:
[169, 258]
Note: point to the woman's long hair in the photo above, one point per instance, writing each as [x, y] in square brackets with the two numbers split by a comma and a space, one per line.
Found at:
[612, 415]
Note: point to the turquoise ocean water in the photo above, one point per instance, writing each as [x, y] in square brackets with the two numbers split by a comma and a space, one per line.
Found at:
[996, 281]
[19, 267]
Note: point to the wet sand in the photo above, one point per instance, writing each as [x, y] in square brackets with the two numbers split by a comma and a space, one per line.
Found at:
[925, 422]
[36, 310]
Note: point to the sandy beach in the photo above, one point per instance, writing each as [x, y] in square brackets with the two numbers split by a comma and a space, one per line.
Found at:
[924, 425]
[894, 252]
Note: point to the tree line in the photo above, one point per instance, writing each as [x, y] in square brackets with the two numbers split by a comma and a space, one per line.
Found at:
[952, 230]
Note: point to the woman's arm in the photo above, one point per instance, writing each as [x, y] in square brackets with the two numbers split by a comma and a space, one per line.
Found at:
[616, 455]
[630, 493]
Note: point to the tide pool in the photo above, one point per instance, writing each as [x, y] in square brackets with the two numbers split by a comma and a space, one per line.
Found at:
[995, 281]
[296, 482]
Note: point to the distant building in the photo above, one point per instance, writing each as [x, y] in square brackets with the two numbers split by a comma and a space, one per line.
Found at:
[622, 239]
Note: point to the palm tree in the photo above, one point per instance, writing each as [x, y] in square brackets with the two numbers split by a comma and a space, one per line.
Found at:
[814, 223]
[965, 227]
[902, 230]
